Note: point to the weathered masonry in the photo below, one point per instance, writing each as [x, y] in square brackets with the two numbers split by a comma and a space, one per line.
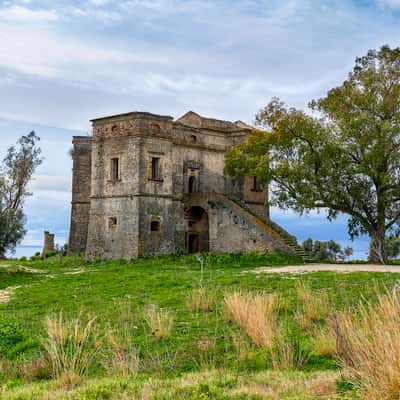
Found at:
[147, 184]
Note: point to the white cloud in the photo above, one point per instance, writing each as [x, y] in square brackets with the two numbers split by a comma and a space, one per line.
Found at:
[389, 3]
[23, 14]
[51, 183]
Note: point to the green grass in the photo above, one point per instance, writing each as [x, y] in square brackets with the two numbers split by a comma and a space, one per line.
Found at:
[118, 292]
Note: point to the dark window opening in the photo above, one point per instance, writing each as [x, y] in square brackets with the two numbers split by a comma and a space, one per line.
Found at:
[256, 185]
[112, 222]
[155, 226]
[155, 168]
[193, 244]
[192, 184]
[114, 169]
[191, 223]
[193, 139]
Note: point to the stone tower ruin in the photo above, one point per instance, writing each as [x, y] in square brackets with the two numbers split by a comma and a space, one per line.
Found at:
[147, 184]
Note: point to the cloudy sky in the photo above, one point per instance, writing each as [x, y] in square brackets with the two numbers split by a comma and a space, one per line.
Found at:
[65, 62]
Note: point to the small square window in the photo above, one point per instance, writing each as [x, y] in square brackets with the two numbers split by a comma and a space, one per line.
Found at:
[112, 222]
[115, 169]
[155, 226]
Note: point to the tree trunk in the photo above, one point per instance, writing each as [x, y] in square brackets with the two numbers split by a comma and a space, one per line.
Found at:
[2, 256]
[377, 253]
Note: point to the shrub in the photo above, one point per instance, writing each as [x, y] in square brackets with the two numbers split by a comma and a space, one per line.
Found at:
[369, 347]
[69, 347]
[201, 299]
[255, 314]
[160, 322]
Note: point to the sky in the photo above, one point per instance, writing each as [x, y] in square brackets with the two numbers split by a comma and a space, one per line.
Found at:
[63, 63]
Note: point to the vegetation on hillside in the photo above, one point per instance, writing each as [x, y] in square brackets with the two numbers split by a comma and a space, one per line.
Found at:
[166, 328]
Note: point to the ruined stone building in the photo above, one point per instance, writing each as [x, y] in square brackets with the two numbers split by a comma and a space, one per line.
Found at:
[147, 184]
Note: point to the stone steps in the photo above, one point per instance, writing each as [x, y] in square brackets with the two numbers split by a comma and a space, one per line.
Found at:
[277, 230]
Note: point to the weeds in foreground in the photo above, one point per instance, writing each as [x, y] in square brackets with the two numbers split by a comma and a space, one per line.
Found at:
[123, 357]
[201, 300]
[324, 342]
[369, 347]
[160, 321]
[69, 347]
[255, 314]
[287, 353]
[313, 308]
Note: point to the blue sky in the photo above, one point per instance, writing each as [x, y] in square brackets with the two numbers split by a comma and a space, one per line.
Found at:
[65, 62]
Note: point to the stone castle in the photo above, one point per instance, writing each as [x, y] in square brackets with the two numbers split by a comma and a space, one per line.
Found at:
[147, 184]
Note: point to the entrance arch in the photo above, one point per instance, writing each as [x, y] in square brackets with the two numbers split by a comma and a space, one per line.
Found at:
[197, 230]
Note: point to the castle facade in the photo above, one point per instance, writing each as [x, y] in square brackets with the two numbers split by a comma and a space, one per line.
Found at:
[147, 184]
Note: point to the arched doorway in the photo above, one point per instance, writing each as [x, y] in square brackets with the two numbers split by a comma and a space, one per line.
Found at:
[197, 236]
[192, 184]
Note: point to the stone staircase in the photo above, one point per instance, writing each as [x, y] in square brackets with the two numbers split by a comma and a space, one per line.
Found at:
[274, 228]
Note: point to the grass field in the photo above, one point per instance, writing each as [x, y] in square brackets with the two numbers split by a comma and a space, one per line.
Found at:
[166, 318]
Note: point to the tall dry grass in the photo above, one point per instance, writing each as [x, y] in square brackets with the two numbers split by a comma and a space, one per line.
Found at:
[255, 314]
[201, 300]
[369, 346]
[123, 356]
[287, 353]
[313, 308]
[69, 346]
[160, 321]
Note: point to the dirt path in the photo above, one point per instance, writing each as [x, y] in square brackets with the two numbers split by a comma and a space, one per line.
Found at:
[308, 268]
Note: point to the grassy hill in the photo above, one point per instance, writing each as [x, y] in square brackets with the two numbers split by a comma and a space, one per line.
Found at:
[166, 328]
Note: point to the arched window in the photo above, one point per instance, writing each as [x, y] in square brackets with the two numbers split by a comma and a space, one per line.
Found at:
[192, 184]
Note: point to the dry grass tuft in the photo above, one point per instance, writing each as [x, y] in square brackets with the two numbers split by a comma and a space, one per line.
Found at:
[255, 314]
[314, 308]
[369, 347]
[201, 299]
[68, 346]
[287, 353]
[160, 321]
[324, 343]
[124, 358]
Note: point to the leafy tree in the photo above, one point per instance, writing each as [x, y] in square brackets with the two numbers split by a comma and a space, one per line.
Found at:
[344, 158]
[393, 247]
[16, 171]
[326, 250]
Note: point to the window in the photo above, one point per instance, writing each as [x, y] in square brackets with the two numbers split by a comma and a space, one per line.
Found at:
[155, 226]
[256, 185]
[155, 168]
[112, 222]
[193, 139]
[115, 169]
[192, 184]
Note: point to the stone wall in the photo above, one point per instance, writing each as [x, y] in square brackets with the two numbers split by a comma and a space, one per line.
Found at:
[81, 187]
[136, 179]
